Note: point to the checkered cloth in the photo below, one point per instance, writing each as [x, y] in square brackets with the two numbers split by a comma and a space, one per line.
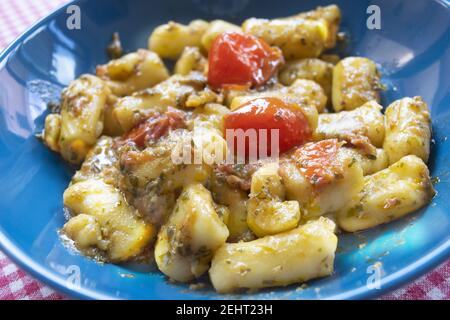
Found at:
[15, 17]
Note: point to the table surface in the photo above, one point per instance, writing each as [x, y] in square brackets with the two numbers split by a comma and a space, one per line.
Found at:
[15, 17]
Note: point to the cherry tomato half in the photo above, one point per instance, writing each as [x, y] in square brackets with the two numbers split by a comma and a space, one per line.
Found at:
[241, 59]
[269, 113]
[317, 161]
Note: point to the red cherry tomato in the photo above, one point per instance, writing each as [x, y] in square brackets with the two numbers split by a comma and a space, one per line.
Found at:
[269, 113]
[241, 59]
[317, 161]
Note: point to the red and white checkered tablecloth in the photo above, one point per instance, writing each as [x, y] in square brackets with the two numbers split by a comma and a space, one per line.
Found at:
[15, 17]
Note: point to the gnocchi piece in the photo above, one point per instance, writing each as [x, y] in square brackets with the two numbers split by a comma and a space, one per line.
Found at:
[353, 126]
[303, 92]
[304, 253]
[191, 60]
[123, 233]
[86, 232]
[243, 97]
[210, 115]
[332, 15]
[236, 201]
[154, 175]
[209, 145]
[230, 93]
[217, 27]
[169, 40]
[356, 81]
[408, 129]
[369, 163]
[267, 213]
[270, 217]
[111, 125]
[330, 58]
[133, 72]
[308, 93]
[178, 91]
[100, 162]
[311, 69]
[297, 38]
[140, 172]
[187, 242]
[82, 112]
[131, 110]
[322, 177]
[52, 131]
[389, 194]
[207, 129]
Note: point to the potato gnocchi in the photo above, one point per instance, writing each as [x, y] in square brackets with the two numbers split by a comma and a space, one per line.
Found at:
[243, 161]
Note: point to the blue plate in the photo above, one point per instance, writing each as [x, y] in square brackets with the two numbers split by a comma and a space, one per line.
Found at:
[412, 49]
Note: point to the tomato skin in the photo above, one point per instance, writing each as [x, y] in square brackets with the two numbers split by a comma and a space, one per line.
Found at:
[271, 113]
[317, 161]
[241, 59]
[154, 127]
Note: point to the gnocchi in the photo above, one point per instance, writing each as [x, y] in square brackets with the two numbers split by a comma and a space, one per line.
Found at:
[297, 38]
[52, 130]
[191, 60]
[267, 212]
[305, 35]
[82, 113]
[177, 91]
[313, 69]
[193, 233]
[370, 163]
[110, 224]
[135, 71]
[216, 28]
[361, 127]
[324, 189]
[169, 40]
[356, 80]
[389, 194]
[408, 129]
[298, 255]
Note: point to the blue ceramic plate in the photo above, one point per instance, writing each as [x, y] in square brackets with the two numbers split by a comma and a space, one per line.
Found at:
[412, 49]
